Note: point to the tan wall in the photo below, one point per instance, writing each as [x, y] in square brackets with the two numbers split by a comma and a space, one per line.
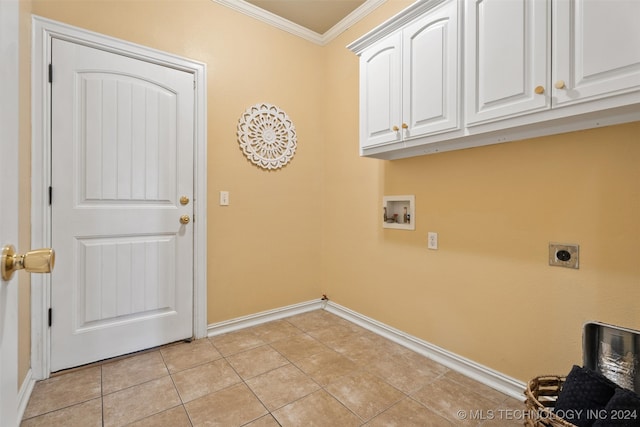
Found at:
[313, 227]
[263, 249]
[487, 293]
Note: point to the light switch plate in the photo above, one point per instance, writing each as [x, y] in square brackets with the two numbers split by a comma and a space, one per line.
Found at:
[432, 240]
[224, 198]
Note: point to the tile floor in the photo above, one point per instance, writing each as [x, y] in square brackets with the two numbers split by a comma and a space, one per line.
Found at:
[311, 369]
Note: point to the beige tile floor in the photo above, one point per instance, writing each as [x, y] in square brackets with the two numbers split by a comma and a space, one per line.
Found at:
[311, 369]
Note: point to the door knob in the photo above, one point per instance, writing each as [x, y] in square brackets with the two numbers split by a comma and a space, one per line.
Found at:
[184, 200]
[36, 261]
[184, 219]
[560, 84]
[539, 90]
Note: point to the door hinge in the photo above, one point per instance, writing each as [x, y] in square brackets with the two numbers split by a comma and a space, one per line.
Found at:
[194, 85]
[50, 73]
[50, 316]
[50, 195]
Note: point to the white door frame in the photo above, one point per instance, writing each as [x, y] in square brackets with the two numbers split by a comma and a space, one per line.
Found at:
[43, 31]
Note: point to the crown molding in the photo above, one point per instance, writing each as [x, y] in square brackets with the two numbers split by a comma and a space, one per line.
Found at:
[393, 24]
[298, 30]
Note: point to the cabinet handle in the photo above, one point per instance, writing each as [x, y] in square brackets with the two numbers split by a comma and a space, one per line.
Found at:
[560, 84]
[539, 90]
[396, 129]
[405, 126]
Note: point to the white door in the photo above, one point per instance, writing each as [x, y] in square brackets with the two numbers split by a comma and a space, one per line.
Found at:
[596, 50]
[122, 178]
[506, 59]
[430, 73]
[9, 209]
[380, 83]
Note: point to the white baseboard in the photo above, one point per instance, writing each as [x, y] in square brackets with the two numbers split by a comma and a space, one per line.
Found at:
[471, 369]
[24, 394]
[262, 317]
[482, 374]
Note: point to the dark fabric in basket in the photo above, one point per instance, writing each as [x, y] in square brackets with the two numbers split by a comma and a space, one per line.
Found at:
[622, 410]
[583, 393]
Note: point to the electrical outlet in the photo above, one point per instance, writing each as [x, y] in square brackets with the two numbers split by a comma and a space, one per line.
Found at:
[432, 240]
[561, 255]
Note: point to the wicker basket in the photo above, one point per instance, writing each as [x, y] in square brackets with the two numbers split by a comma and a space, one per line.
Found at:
[542, 393]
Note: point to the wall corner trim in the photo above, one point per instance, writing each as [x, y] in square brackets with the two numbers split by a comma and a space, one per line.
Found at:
[487, 376]
[238, 323]
[24, 394]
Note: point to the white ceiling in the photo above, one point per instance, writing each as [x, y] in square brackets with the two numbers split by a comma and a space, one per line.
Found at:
[319, 21]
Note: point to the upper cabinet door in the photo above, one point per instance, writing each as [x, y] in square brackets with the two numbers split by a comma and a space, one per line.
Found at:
[526, 68]
[380, 104]
[431, 74]
[506, 58]
[596, 51]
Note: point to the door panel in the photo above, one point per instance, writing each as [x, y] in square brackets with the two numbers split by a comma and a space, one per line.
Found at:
[120, 110]
[122, 155]
[143, 286]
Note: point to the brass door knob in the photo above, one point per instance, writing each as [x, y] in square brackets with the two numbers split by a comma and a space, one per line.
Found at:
[560, 84]
[184, 219]
[539, 90]
[405, 126]
[36, 261]
[396, 128]
[184, 200]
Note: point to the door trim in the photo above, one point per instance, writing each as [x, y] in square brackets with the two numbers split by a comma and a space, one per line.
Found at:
[43, 30]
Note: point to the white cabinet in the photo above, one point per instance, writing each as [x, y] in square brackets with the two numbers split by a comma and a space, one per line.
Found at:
[507, 58]
[409, 80]
[430, 73]
[532, 55]
[531, 68]
[380, 91]
[596, 49]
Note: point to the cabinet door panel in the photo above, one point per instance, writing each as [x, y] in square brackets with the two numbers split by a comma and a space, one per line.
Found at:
[596, 49]
[380, 92]
[507, 58]
[430, 73]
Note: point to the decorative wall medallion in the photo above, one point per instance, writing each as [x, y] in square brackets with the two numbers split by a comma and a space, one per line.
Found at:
[267, 136]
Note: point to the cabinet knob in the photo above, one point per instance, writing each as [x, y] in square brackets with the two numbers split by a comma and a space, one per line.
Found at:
[539, 90]
[560, 84]
[405, 126]
[184, 219]
[396, 128]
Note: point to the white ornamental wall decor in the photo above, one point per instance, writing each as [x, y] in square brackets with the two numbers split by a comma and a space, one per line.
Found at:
[267, 136]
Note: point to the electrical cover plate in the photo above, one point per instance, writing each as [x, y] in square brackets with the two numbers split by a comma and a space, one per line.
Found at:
[564, 255]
